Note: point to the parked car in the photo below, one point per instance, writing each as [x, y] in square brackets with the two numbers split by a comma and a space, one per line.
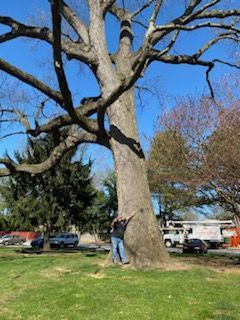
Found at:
[12, 239]
[195, 246]
[62, 240]
[37, 243]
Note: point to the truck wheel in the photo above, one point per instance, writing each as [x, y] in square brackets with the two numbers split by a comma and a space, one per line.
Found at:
[168, 243]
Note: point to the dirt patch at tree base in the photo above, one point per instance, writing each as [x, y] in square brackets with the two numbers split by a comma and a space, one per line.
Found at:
[216, 263]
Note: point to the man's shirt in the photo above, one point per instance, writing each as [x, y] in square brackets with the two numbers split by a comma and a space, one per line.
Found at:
[119, 228]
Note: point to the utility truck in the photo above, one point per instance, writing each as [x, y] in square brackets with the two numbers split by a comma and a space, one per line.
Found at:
[177, 232]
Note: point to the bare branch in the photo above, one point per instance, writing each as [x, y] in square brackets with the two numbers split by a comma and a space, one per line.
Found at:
[191, 7]
[11, 134]
[171, 43]
[7, 36]
[153, 18]
[219, 14]
[212, 42]
[68, 144]
[65, 120]
[179, 59]
[203, 8]
[227, 63]
[206, 24]
[31, 80]
[208, 80]
[156, 33]
[21, 117]
[143, 7]
[75, 22]
[57, 56]
[107, 5]
[156, 11]
[39, 109]
[140, 23]
[192, 60]
[72, 49]
[19, 29]
[118, 12]
[83, 121]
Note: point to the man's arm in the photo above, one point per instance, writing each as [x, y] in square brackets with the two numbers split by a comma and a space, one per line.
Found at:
[112, 224]
[130, 217]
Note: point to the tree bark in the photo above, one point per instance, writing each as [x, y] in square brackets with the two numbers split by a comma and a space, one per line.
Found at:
[46, 239]
[236, 220]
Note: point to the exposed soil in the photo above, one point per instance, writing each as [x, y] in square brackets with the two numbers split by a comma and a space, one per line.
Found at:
[217, 263]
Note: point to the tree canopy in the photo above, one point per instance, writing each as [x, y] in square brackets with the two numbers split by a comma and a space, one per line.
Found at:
[86, 43]
[210, 132]
[169, 175]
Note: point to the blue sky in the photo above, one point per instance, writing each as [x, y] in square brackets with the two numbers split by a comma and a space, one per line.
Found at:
[170, 81]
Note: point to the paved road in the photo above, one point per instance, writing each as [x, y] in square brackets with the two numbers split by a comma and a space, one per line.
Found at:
[107, 247]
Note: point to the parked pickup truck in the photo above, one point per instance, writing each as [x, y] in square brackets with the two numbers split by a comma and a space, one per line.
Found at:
[173, 236]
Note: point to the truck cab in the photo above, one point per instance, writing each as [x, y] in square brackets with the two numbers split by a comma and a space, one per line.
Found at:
[173, 236]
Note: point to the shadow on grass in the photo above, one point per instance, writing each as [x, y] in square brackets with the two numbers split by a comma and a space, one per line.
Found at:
[89, 252]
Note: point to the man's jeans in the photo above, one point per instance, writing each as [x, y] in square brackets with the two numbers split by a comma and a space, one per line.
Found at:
[117, 246]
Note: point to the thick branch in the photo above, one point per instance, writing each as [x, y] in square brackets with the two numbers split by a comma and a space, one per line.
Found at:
[57, 57]
[72, 49]
[153, 18]
[31, 80]
[219, 14]
[118, 12]
[193, 4]
[79, 118]
[68, 144]
[66, 120]
[206, 24]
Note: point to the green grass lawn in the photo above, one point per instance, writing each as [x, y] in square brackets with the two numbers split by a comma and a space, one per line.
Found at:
[75, 286]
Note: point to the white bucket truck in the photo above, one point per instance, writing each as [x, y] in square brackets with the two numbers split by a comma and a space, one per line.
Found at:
[177, 232]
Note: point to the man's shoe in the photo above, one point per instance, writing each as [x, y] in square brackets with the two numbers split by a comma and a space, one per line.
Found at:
[126, 262]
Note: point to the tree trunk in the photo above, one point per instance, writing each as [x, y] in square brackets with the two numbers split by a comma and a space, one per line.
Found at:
[143, 244]
[46, 239]
[236, 220]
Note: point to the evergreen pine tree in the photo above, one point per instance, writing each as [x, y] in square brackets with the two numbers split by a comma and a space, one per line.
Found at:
[56, 199]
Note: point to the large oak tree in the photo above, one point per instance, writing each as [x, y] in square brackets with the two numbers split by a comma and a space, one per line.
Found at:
[109, 119]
